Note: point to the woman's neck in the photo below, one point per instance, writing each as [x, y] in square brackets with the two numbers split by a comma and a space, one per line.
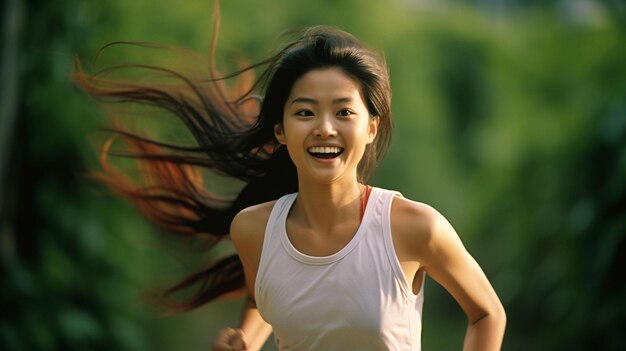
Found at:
[324, 206]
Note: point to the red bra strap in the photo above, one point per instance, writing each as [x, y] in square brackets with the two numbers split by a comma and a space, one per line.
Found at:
[364, 198]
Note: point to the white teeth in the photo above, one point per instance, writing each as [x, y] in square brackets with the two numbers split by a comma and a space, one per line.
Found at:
[325, 149]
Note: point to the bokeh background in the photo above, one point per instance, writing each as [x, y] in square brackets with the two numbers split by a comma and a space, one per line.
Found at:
[511, 121]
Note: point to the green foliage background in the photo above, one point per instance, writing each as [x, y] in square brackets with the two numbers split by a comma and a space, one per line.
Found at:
[511, 120]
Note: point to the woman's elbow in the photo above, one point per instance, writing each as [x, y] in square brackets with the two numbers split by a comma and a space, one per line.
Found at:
[496, 315]
[499, 315]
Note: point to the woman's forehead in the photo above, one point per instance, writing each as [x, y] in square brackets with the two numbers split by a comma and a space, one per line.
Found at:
[325, 85]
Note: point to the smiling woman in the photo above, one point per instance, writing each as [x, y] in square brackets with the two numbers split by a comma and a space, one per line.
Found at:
[324, 120]
[328, 261]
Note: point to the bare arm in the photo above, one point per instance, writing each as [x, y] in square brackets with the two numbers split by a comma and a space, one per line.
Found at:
[449, 263]
[255, 329]
[441, 253]
[247, 231]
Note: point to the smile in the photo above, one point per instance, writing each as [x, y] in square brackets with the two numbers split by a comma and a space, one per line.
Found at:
[325, 151]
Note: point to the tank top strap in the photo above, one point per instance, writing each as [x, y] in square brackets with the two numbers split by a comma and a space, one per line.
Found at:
[271, 238]
[387, 197]
[278, 216]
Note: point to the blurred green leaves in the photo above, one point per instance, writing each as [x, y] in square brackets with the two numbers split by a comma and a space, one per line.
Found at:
[511, 120]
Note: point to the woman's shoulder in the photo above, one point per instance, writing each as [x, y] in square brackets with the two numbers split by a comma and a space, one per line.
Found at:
[416, 224]
[415, 214]
[247, 232]
[252, 220]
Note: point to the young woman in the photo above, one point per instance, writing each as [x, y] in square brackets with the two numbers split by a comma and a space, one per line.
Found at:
[328, 261]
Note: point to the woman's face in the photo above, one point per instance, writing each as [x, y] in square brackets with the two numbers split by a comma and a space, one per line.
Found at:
[326, 125]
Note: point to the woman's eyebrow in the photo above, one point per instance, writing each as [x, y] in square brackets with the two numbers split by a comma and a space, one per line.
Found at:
[304, 100]
[313, 101]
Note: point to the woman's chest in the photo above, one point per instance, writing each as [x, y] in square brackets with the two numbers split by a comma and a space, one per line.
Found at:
[353, 294]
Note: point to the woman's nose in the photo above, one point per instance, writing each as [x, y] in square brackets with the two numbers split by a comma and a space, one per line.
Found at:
[325, 127]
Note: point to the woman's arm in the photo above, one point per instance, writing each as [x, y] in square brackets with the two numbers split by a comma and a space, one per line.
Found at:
[254, 328]
[251, 334]
[439, 250]
[247, 231]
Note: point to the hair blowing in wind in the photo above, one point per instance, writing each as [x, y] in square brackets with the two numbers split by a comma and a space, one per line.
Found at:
[231, 119]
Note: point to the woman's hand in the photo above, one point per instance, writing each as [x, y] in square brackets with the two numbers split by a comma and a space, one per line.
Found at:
[230, 339]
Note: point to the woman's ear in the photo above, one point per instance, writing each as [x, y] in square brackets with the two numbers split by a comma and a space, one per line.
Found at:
[279, 133]
[372, 128]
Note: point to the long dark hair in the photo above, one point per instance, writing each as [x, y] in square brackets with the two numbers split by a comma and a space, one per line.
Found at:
[228, 140]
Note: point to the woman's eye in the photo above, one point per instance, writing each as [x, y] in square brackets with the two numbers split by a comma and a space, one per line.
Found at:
[345, 112]
[304, 113]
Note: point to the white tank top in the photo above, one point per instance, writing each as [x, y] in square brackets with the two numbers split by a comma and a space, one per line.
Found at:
[354, 299]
